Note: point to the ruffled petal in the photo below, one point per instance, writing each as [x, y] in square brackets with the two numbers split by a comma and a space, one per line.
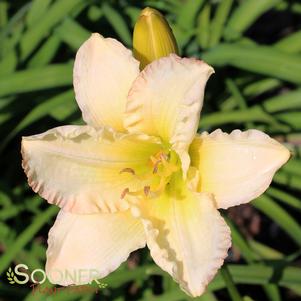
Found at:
[236, 167]
[166, 99]
[104, 71]
[80, 168]
[85, 247]
[187, 238]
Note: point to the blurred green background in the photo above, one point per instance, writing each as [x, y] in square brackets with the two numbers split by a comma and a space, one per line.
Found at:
[255, 48]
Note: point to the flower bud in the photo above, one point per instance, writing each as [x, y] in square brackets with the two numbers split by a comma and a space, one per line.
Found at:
[153, 37]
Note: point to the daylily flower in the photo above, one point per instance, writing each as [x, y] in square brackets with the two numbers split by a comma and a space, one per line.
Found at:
[138, 173]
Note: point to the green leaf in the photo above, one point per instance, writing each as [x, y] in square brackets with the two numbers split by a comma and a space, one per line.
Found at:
[259, 59]
[218, 22]
[46, 53]
[187, 13]
[266, 205]
[3, 13]
[239, 98]
[10, 28]
[272, 291]
[250, 256]
[118, 23]
[36, 79]
[288, 180]
[57, 11]
[293, 119]
[256, 88]
[293, 166]
[254, 113]
[232, 290]
[72, 33]
[264, 251]
[296, 8]
[37, 11]
[259, 274]
[133, 13]
[247, 298]
[26, 236]
[290, 43]
[208, 297]
[94, 13]
[8, 63]
[286, 101]
[285, 197]
[203, 30]
[245, 15]
[253, 89]
[242, 245]
[64, 101]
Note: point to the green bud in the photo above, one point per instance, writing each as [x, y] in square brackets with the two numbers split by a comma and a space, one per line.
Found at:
[153, 37]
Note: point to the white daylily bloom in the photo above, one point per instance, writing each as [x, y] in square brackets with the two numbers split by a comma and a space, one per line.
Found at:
[138, 173]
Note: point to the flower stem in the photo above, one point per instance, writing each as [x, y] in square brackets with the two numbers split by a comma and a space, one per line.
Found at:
[233, 292]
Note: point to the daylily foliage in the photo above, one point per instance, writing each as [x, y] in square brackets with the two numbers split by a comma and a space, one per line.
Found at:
[138, 173]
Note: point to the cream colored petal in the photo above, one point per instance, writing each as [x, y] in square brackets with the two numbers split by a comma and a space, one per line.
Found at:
[236, 167]
[104, 71]
[166, 100]
[187, 238]
[79, 168]
[85, 247]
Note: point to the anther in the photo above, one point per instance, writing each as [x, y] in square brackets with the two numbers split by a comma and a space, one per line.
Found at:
[146, 190]
[124, 193]
[128, 169]
[164, 157]
[156, 166]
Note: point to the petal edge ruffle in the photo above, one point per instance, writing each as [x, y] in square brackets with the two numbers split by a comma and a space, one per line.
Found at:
[187, 238]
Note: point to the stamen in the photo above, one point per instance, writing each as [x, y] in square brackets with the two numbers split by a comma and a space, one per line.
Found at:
[159, 177]
[164, 157]
[161, 184]
[128, 169]
[124, 193]
[146, 190]
[156, 166]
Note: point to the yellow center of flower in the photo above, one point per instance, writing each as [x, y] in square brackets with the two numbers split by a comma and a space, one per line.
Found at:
[163, 165]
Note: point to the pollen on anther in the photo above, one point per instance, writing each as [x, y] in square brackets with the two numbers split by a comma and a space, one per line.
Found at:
[164, 157]
[128, 169]
[124, 193]
[156, 166]
[146, 190]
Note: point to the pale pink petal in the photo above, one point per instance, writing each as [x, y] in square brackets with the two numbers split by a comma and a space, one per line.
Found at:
[166, 100]
[80, 168]
[236, 167]
[187, 237]
[104, 71]
[85, 247]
